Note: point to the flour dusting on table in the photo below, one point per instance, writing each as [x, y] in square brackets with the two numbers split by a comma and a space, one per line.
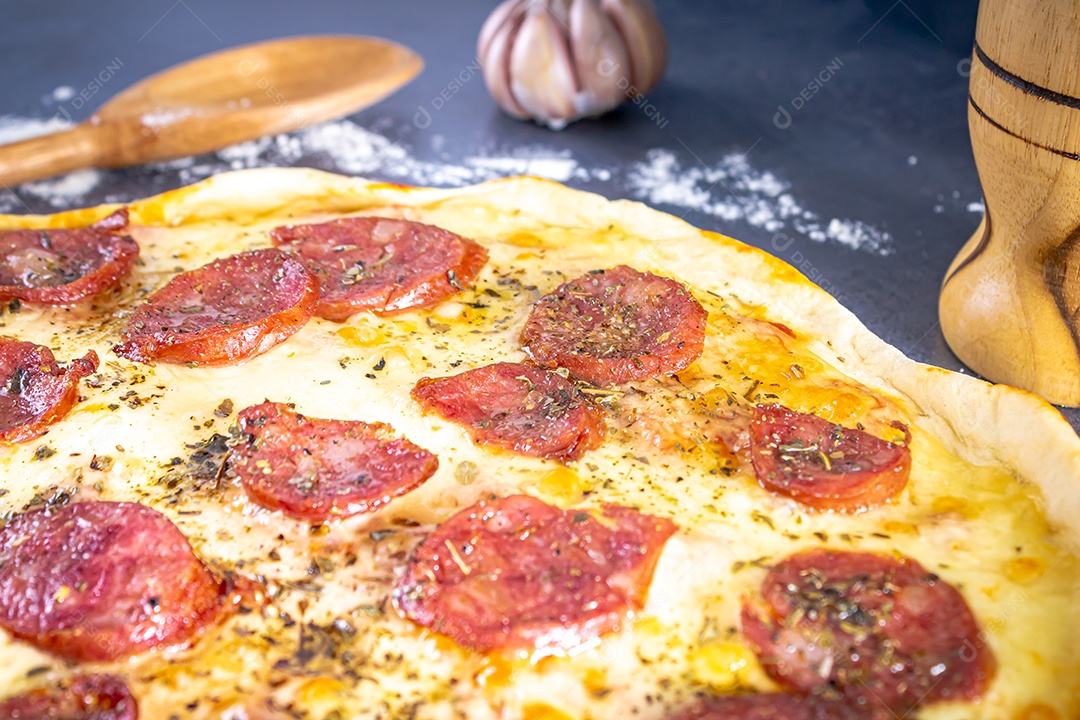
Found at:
[731, 190]
[13, 128]
[62, 192]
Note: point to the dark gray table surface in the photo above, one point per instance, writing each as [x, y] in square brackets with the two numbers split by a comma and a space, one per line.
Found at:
[882, 140]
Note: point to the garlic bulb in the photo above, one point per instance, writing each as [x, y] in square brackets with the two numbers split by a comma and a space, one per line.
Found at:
[559, 60]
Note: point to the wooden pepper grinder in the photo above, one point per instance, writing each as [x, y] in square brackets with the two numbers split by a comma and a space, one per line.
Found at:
[1010, 302]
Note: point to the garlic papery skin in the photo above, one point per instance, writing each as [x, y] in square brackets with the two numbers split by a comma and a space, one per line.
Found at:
[555, 61]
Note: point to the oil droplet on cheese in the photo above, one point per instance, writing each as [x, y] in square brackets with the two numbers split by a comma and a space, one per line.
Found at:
[496, 671]
[649, 626]
[443, 644]
[89, 408]
[1025, 570]
[595, 681]
[525, 240]
[362, 335]
[722, 667]
[543, 711]
[229, 657]
[896, 527]
[947, 504]
[411, 356]
[1037, 711]
[319, 690]
[450, 311]
[845, 408]
[562, 485]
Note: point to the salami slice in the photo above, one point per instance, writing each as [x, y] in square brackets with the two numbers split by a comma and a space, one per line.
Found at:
[618, 325]
[879, 630]
[35, 392]
[383, 265]
[314, 469]
[775, 706]
[519, 573]
[102, 580]
[823, 465]
[84, 697]
[518, 407]
[225, 312]
[60, 267]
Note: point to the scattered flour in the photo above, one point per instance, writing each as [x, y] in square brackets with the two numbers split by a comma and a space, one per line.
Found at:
[64, 191]
[856, 234]
[163, 116]
[978, 206]
[356, 150]
[561, 169]
[63, 93]
[13, 129]
[731, 190]
[239, 156]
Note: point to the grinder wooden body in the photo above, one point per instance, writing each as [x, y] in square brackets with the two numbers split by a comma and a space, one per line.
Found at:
[1010, 302]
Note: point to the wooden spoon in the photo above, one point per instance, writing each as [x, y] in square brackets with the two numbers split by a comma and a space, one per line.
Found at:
[218, 100]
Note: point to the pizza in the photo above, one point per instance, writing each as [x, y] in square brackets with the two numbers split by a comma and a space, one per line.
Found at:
[285, 444]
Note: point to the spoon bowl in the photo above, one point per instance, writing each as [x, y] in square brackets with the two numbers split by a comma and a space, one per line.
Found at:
[220, 99]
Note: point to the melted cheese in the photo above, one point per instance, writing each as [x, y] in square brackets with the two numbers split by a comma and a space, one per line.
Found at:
[332, 645]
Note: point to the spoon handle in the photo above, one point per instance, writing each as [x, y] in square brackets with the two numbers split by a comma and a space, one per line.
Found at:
[48, 155]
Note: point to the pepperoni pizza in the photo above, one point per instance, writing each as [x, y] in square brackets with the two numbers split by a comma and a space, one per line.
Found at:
[291, 445]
